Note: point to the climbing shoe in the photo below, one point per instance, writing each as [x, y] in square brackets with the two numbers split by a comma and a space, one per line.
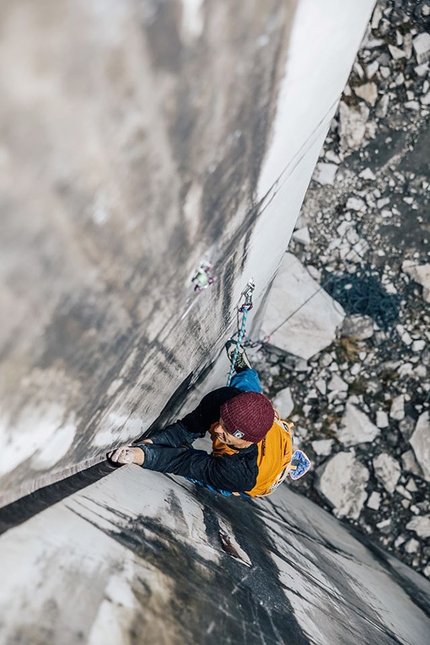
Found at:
[242, 361]
[299, 465]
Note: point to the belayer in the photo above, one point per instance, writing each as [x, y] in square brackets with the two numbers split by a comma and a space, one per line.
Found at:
[252, 448]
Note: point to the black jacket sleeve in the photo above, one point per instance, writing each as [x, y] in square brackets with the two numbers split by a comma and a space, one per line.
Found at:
[208, 411]
[196, 423]
[174, 435]
[229, 472]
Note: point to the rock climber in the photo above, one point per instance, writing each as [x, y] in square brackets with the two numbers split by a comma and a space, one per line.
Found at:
[251, 447]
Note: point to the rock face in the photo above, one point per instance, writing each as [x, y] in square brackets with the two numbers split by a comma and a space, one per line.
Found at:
[342, 482]
[356, 427]
[315, 316]
[420, 442]
[115, 102]
[387, 470]
[112, 564]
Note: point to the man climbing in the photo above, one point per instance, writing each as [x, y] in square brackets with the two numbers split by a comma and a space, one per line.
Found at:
[251, 446]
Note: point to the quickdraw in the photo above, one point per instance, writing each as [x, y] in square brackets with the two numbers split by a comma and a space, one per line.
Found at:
[242, 314]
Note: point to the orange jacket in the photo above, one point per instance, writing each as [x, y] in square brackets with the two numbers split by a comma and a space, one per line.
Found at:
[274, 455]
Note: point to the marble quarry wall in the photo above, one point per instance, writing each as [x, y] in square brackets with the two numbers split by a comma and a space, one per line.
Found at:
[140, 557]
[139, 140]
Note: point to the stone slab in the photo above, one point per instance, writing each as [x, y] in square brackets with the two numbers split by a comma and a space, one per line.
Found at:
[313, 316]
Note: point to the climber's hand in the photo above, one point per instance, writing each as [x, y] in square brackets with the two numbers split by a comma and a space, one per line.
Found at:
[127, 455]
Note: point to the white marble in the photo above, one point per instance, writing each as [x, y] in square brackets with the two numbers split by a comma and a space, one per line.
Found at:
[313, 316]
[387, 471]
[397, 410]
[420, 273]
[325, 173]
[342, 482]
[283, 402]
[356, 427]
[420, 525]
[322, 447]
[420, 442]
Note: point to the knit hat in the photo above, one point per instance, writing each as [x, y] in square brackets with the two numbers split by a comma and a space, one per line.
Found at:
[248, 416]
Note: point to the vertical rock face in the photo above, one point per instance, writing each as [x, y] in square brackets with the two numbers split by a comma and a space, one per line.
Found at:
[137, 131]
[148, 137]
[139, 558]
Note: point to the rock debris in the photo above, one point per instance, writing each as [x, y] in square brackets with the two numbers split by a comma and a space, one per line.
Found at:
[359, 380]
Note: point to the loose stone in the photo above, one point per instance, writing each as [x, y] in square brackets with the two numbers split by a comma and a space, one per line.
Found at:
[387, 471]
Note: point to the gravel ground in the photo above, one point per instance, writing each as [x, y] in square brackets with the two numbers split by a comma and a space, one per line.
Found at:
[366, 220]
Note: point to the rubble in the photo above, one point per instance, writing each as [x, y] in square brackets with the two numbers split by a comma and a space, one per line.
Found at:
[370, 387]
[419, 273]
[420, 442]
[421, 45]
[374, 501]
[368, 92]
[356, 204]
[397, 410]
[352, 125]
[302, 235]
[322, 447]
[420, 525]
[336, 384]
[325, 173]
[387, 471]
[371, 71]
[283, 402]
[412, 546]
[367, 173]
[410, 464]
[359, 327]
[382, 419]
[356, 427]
[382, 107]
[342, 482]
[396, 52]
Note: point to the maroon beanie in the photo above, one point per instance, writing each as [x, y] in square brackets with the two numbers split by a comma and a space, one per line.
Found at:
[250, 413]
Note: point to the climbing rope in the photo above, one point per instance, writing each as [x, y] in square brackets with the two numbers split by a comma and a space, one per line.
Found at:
[358, 293]
[242, 314]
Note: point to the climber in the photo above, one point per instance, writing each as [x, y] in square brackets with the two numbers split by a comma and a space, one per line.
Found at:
[251, 446]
